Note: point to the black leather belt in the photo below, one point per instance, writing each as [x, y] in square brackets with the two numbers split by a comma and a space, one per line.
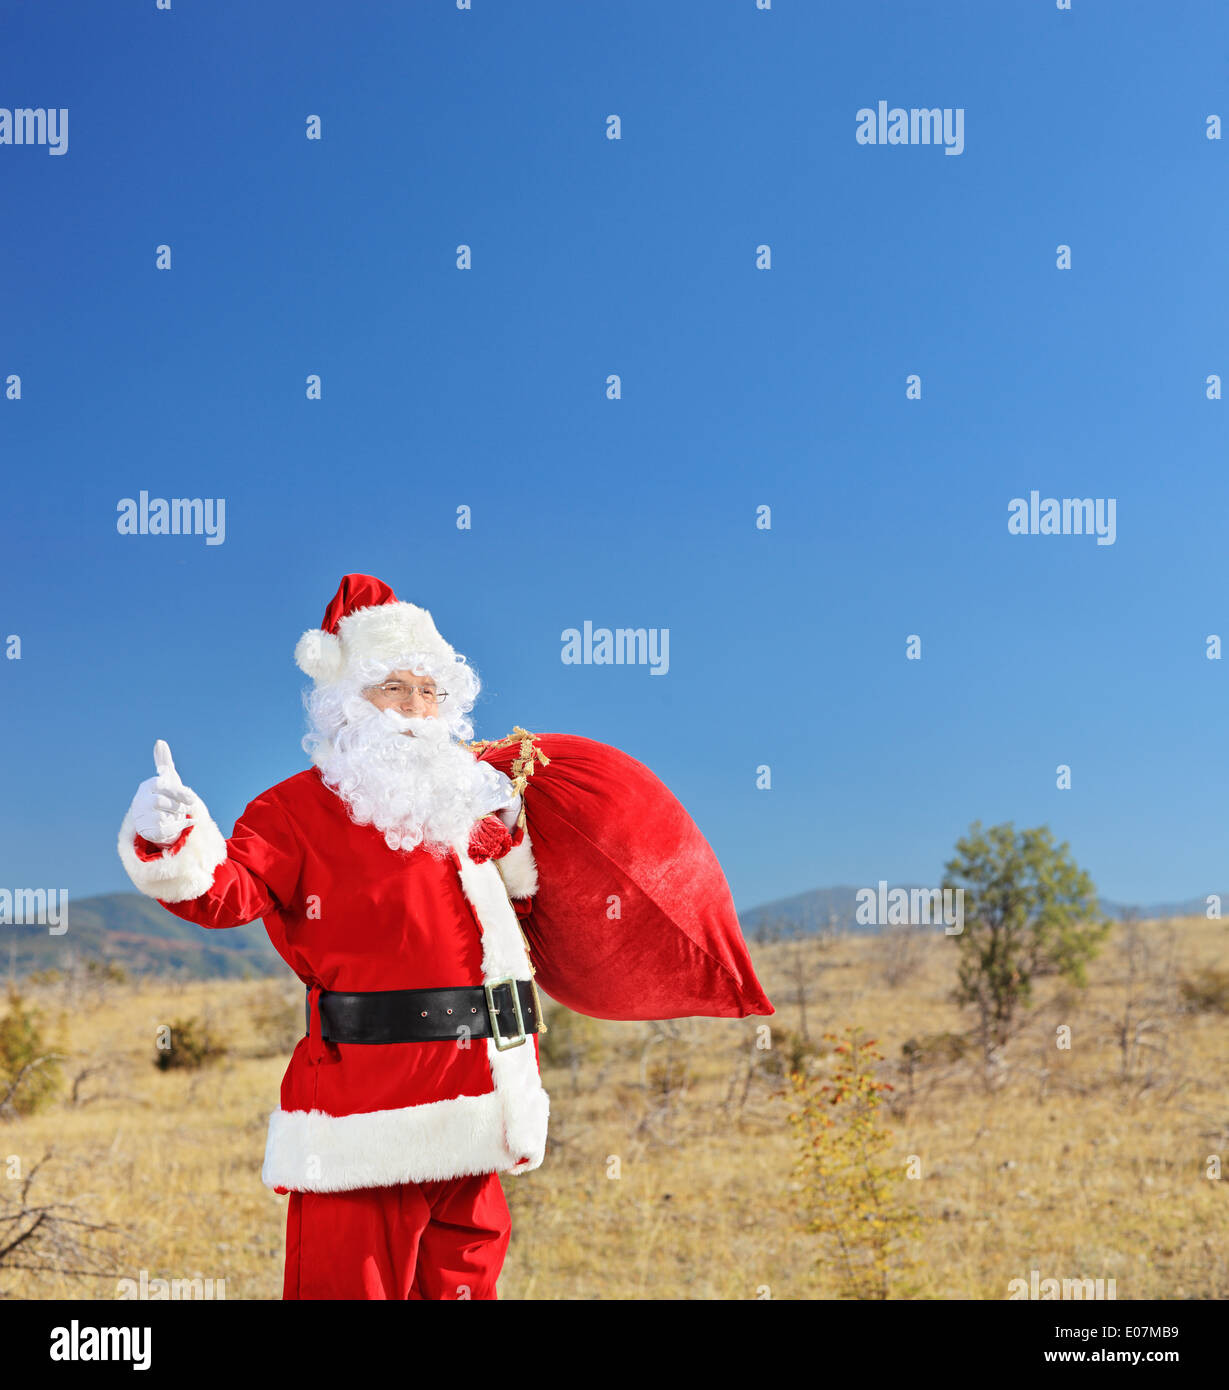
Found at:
[431, 1015]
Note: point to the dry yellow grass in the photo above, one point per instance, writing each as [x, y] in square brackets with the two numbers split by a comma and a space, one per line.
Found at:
[1063, 1168]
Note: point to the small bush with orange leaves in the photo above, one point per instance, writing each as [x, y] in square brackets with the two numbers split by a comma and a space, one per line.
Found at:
[850, 1193]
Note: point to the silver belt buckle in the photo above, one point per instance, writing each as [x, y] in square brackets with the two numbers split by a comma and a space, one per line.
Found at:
[502, 1042]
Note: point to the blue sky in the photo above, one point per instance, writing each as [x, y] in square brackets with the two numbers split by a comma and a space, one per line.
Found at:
[740, 387]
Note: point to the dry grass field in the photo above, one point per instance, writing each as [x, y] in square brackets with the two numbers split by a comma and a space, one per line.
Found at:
[670, 1167]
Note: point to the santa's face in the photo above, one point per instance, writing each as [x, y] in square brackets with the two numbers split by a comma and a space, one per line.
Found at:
[423, 790]
[408, 692]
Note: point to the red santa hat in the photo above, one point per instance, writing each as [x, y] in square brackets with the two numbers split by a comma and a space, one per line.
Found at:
[365, 621]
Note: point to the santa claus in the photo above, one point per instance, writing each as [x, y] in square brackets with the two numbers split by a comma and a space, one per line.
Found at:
[389, 877]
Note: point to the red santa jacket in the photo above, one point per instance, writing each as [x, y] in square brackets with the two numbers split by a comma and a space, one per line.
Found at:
[347, 913]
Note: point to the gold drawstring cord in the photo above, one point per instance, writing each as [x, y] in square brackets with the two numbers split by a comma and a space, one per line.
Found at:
[529, 755]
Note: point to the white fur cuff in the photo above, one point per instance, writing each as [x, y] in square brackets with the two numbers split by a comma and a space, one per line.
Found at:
[519, 870]
[176, 878]
[311, 1151]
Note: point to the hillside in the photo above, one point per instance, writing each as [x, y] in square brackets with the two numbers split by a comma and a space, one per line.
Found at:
[137, 934]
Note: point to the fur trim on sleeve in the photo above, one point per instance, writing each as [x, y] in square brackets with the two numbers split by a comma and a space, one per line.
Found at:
[519, 870]
[186, 874]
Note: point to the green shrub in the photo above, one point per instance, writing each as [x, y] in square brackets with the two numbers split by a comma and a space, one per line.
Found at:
[190, 1045]
[852, 1189]
[21, 1044]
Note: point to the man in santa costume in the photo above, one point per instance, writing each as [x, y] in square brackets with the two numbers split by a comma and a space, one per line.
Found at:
[389, 876]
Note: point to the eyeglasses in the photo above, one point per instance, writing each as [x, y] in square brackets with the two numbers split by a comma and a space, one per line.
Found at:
[398, 693]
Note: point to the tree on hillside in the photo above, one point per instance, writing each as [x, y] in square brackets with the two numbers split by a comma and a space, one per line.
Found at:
[1029, 911]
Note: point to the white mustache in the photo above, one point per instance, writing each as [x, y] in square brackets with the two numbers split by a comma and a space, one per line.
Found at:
[424, 727]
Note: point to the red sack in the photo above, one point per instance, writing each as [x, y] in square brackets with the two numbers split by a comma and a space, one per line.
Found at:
[609, 838]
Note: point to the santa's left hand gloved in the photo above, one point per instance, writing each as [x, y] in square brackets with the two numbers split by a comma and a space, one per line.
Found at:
[489, 839]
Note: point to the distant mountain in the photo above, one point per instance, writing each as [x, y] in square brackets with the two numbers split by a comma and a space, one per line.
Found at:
[144, 938]
[836, 908]
[809, 912]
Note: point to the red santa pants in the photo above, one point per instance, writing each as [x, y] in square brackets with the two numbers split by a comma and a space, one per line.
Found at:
[443, 1239]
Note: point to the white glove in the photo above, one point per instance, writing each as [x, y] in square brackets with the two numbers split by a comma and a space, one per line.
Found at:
[509, 813]
[160, 808]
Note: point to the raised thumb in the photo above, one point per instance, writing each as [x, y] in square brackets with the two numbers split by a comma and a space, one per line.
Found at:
[164, 764]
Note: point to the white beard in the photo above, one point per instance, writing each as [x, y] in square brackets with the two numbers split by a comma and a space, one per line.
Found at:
[420, 789]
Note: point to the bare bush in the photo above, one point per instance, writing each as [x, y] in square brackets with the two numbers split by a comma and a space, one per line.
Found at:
[806, 957]
[665, 1078]
[279, 1020]
[900, 953]
[1142, 1027]
[926, 1064]
[571, 1040]
[1206, 990]
[51, 1237]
